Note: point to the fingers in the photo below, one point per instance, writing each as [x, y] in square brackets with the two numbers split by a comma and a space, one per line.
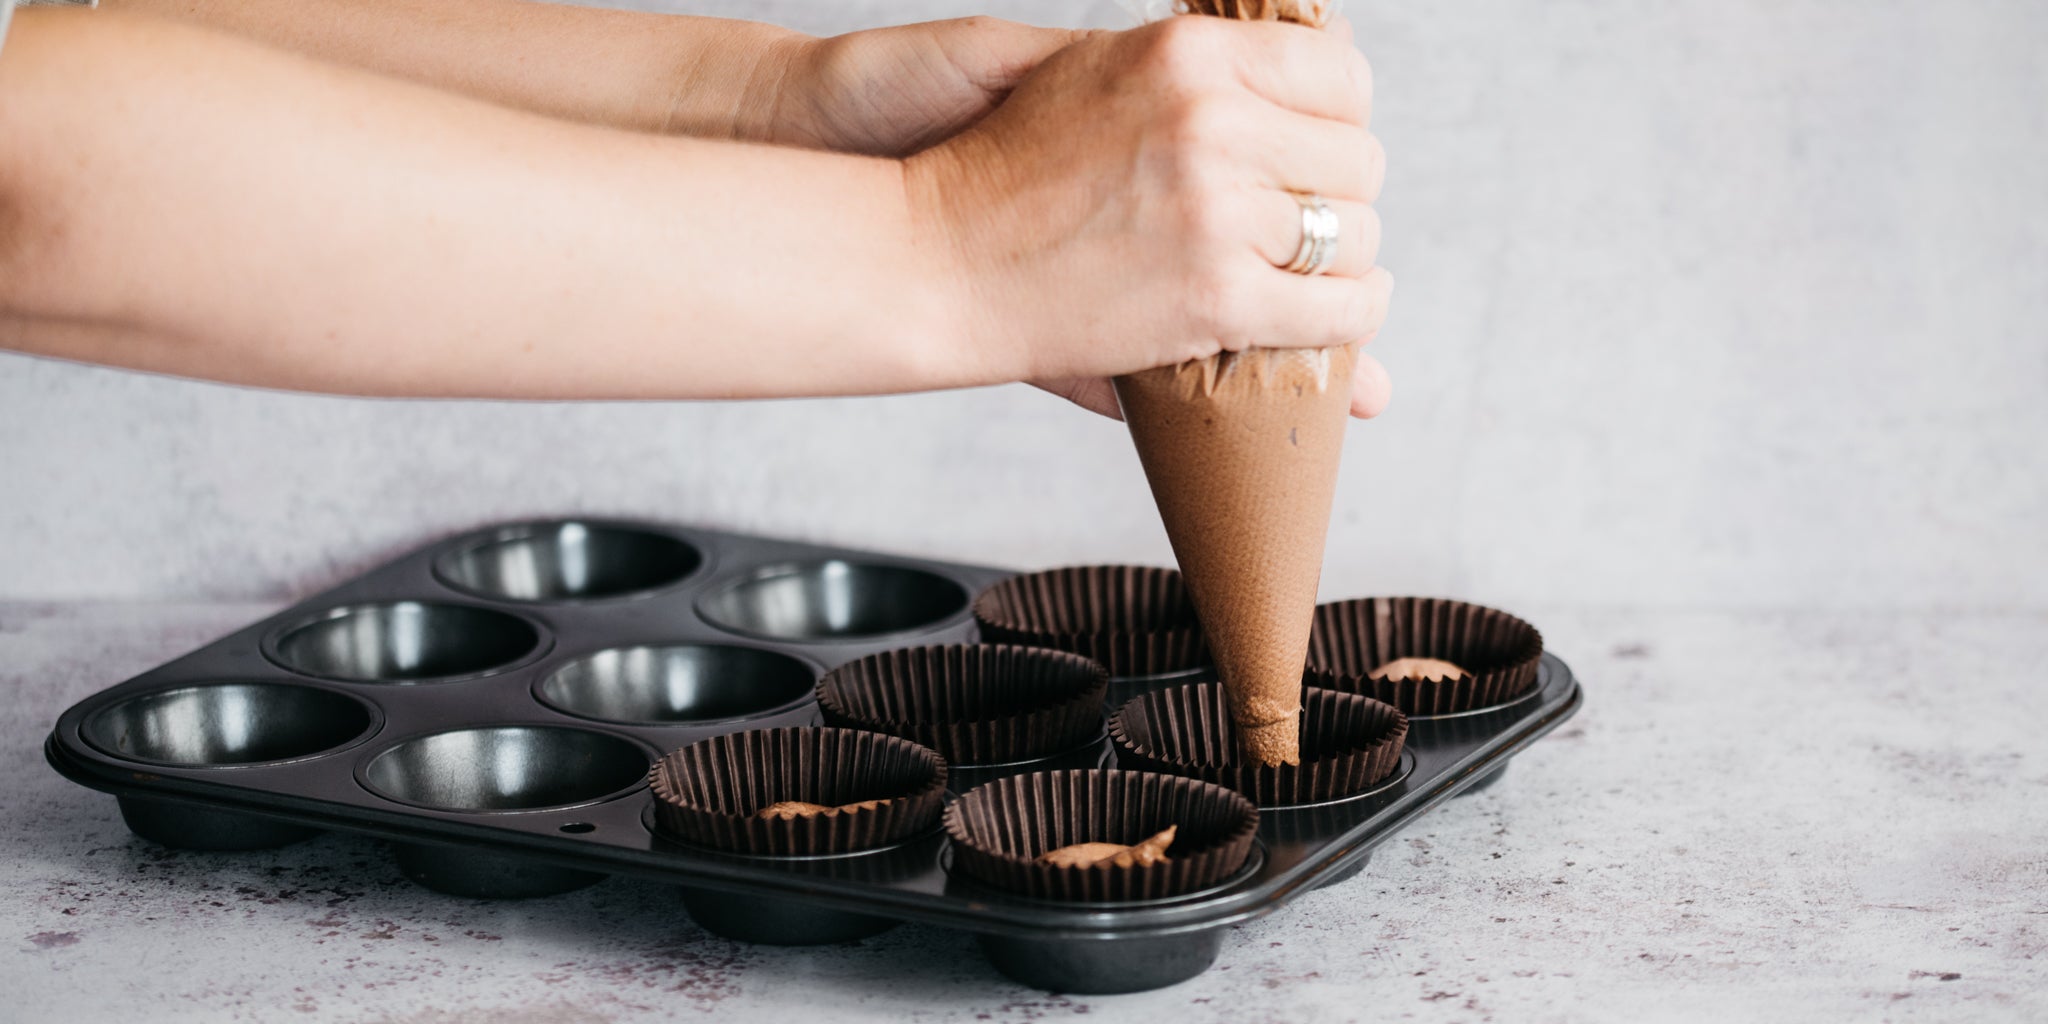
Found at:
[1315, 73]
[1371, 391]
[1095, 394]
[1371, 388]
[1291, 311]
[1310, 154]
[1375, 169]
[1312, 72]
[995, 55]
[1278, 233]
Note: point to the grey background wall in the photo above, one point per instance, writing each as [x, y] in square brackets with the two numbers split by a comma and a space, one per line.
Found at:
[1702, 303]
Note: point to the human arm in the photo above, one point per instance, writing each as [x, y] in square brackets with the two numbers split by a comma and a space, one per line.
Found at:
[201, 206]
[885, 92]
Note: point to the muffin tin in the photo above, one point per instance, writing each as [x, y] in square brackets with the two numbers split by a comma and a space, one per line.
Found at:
[491, 705]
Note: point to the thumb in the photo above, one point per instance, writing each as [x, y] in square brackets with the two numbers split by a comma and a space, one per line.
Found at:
[1009, 51]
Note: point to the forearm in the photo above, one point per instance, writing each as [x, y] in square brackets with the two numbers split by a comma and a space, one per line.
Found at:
[710, 77]
[198, 206]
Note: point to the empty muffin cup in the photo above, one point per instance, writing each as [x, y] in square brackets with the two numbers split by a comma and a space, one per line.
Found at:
[404, 641]
[501, 769]
[567, 561]
[976, 704]
[678, 683]
[506, 768]
[877, 789]
[226, 724]
[1135, 620]
[1348, 743]
[1000, 830]
[1496, 652]
[833, 600]
[222, 725]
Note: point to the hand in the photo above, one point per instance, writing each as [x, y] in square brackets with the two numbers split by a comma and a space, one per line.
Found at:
[894, 91]
[1128, 206]
[1371, 390]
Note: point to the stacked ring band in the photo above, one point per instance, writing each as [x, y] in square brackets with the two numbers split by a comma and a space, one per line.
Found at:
[1319, 230]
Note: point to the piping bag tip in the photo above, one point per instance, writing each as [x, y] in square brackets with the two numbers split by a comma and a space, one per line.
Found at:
[1241, 451]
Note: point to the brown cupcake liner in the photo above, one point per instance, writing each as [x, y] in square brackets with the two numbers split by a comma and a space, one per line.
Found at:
[1135, 620]
[1123, 691]
[1349, 743]
[1000, 829]
[1498, 651]
[1094, 752]
[708, 793]
[976, 704]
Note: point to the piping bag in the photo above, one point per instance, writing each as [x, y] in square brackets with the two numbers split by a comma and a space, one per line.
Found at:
[1241, 450]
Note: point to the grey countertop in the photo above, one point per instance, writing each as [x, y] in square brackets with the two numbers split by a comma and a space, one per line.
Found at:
[1757, 816]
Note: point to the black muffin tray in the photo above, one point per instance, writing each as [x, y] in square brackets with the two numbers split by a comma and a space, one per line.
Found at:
[490, 704]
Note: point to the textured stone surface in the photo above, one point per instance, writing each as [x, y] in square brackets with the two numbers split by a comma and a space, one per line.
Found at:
[1812, 817]
[1707, 302]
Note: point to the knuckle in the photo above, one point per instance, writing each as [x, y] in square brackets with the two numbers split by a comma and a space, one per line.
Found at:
[1179, 50]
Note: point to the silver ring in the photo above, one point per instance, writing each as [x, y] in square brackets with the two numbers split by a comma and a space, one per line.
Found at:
[1319, 229]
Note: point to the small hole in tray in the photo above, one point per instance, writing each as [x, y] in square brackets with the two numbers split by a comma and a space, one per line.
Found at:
[577, 828]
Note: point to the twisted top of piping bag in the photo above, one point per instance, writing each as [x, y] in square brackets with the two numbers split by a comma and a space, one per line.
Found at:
[1305, 12]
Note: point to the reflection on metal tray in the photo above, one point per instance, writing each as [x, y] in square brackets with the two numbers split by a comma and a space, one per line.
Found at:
[491, 704]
